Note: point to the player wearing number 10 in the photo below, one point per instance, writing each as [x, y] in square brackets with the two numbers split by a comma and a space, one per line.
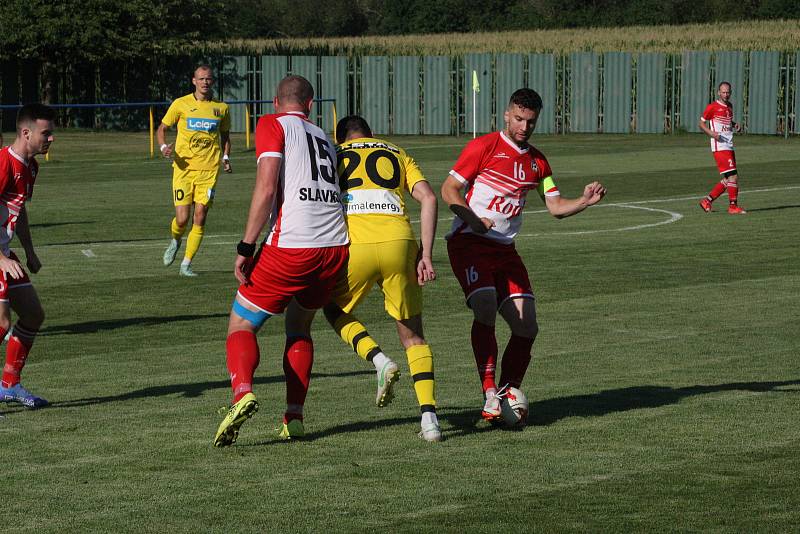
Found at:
[203, 141]
[375, 175]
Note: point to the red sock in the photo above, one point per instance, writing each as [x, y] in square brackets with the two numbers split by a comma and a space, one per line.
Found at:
[19, 344]
[516, 359]
[733, 192]
[484, 346]
[243, 357]
[298, 358]
[719, 188]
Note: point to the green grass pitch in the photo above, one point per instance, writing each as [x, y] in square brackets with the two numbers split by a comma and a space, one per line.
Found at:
[664, 389]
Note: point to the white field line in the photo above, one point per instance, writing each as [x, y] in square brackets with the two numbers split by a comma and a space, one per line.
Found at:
[673, 217]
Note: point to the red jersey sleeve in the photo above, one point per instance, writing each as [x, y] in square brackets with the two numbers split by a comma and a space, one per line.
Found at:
[270, 138]
[708, 114]
[471, 161]
[542, 164]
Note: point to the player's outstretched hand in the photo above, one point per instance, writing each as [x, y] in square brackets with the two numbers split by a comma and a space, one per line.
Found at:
[167, 150]
[593, 193]
[11, 267]
[33, 263]
[242, 269]
[226, 166]
[425, 271]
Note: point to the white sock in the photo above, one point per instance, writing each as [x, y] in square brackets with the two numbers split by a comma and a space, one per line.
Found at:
[186, 261]
[429, 418]
[380, 360]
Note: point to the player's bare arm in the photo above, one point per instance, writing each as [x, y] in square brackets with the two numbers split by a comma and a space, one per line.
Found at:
[23, 232]
[708, 131]
[161, 137]
[560, 207]
[260, 208]
[429, 213]
[225, 139]
[451, 194]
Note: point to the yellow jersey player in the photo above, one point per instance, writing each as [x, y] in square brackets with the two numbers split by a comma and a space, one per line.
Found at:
[203, 141]
[374, 176]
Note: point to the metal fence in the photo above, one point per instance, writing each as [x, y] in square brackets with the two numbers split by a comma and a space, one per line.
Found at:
[585, 92]
[615, 92]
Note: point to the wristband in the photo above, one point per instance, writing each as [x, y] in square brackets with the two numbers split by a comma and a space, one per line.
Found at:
[246, 249]
[163, 147]
[225, 157]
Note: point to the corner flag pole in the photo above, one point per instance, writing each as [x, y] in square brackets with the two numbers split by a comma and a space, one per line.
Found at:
[152, 141]
[476, 88]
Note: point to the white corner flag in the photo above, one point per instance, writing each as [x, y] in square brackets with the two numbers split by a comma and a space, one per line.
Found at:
[476, 88]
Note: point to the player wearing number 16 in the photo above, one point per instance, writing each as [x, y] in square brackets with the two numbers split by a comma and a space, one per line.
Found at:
[297, 196]
[497, 171]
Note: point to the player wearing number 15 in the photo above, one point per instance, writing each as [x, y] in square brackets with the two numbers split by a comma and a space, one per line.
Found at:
[498, 170]
[297, 194]
[375, 176]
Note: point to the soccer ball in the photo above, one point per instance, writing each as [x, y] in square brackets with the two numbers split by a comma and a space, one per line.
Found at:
[514, 408]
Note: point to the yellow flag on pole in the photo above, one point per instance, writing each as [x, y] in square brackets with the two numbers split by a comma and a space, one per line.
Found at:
[476, 87]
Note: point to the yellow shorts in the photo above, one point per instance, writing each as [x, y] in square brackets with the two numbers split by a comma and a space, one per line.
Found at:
[393, 266]
[192, 186]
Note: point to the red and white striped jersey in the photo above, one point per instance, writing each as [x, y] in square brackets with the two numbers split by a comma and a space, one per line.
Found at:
[720, 117]
[498, 175]
[307, 212]
[16, 186]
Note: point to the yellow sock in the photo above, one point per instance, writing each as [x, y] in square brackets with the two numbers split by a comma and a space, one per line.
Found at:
[177, 231]
[420, 363]
[193, 241]
[354, 334]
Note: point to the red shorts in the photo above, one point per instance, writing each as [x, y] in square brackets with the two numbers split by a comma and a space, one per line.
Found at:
[308, 274]
[7, 282]
[481, 264]
[726, 160]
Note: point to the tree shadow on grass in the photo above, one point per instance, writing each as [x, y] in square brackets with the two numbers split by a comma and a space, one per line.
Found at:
[772, 208]
[189, 390]
[91, 327]
[549, 411]
[53, 224]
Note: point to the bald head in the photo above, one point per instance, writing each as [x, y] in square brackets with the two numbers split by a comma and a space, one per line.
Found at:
[295, 92]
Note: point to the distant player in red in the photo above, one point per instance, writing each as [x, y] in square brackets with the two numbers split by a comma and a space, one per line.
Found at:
[305, 252]
[18, 170]
[497, 171]
[717, 123]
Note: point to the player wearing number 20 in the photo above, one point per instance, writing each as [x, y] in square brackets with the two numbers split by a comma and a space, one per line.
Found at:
[375, 176]
[497, 171]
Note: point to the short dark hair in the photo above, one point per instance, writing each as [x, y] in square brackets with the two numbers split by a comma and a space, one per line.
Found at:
[526, 98]
[724, 83]
[32, 112]
[295, 89]
[352, 123]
